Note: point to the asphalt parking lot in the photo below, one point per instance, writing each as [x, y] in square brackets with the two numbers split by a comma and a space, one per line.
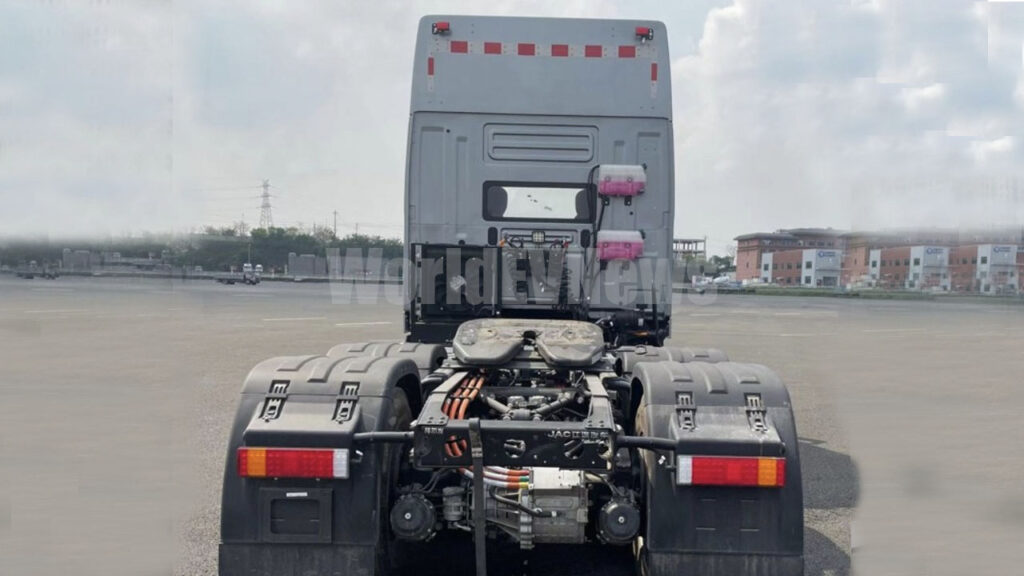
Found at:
[117, 396]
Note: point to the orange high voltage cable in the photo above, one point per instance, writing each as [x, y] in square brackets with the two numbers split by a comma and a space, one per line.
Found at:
[455, 409]
[464, 396]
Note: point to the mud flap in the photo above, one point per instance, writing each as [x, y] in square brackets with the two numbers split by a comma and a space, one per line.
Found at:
[281, 559]
[711, 530]
[705, 564]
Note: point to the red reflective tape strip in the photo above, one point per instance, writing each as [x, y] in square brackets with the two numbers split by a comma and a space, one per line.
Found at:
[430, 66]
[654, 71]
[556, 51]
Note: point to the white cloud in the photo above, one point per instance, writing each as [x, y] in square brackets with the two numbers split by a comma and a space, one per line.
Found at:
[839, 114]
[117, 116]
[916, 98]
[985, 149]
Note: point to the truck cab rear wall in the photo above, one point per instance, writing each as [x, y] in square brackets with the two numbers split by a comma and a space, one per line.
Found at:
[576, 67]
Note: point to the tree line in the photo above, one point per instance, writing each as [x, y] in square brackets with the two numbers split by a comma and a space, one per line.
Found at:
[213, 249]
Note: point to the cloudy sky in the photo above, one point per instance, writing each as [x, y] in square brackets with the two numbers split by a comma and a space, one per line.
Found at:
[120, 117]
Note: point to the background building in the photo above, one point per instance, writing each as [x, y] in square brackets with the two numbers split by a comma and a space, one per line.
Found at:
[813, 267]
[986, 268]
[893, 266]
[981, 261]
[822, 267]
[751, 248]
[306, 265]
[929, 268]
[689, 258]
[997, 268]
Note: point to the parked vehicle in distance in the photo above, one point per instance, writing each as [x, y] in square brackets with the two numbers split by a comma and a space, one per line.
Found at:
[33, 269]
[249, 275]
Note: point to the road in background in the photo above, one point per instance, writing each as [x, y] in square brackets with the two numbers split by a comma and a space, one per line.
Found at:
[117, 396]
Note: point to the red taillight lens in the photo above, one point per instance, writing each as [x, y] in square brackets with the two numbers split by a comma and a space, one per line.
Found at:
[730, 471]
[441, 27]
[645, 32]
[292, 463]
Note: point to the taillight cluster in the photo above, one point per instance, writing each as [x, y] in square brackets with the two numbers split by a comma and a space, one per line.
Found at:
[730, 471]
[293, 463]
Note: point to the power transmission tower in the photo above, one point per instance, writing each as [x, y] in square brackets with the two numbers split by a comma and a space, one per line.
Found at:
[266, 218]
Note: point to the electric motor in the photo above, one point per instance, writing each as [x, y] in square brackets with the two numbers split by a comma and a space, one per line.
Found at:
[413, 518]
[619, 522]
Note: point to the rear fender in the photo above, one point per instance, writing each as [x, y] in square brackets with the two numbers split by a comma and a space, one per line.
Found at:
[428, 358]
[718, 530]
[629, 356]
[307, 418]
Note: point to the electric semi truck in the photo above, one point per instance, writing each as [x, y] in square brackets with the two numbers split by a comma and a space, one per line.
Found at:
[533, 401]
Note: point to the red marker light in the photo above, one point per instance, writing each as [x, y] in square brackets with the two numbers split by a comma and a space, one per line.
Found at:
[645, 33]
[441, 28]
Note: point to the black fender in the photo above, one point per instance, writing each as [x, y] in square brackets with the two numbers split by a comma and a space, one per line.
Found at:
[428, 358]
[346, 513]
[629, 356]
[718, 530]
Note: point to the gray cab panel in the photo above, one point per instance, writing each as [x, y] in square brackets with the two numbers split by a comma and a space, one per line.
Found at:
[538, 103]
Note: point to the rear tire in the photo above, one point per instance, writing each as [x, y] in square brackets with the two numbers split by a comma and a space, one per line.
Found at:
[642, 428]
[388, 551]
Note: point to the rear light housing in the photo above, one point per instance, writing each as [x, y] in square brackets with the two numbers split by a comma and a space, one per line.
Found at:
[621, 180]
[619, 245]
[730, 471]
[442, 27]
[293, 462]
[645, 33]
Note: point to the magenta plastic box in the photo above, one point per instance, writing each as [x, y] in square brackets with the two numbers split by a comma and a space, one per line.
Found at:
[621, 180]
[619, 245]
